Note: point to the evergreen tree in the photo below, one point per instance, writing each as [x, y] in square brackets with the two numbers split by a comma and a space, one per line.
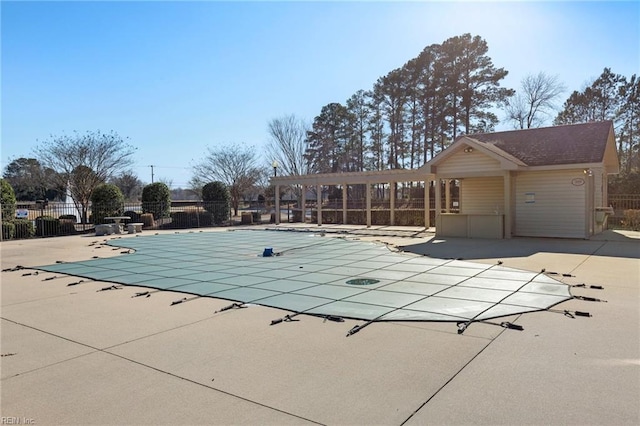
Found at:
[328, 139]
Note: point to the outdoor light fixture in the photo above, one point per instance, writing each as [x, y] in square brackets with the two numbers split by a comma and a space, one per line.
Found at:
[275, 168]
[588, 172]
[468, 149]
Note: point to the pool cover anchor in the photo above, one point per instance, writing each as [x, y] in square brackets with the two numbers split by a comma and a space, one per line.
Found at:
[286, 318]
[564, 274]
[358, 327]
[234, 305]
[593, 287]
[16, 268]
[574, 314]
[462, 326]
[111, 287]
[290, 318]
[589, 299]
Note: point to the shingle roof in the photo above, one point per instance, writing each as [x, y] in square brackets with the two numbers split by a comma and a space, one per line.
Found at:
[570, 144]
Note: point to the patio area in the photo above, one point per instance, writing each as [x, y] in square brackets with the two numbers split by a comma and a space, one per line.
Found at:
[91, 354]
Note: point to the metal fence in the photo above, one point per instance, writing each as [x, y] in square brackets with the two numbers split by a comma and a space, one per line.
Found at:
[44, 219]
[407, 212]
[621, 203]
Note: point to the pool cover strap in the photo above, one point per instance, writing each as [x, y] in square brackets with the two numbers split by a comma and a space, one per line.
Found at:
[234, 305]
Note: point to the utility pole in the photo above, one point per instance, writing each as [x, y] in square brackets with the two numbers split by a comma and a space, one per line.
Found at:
[151, 173]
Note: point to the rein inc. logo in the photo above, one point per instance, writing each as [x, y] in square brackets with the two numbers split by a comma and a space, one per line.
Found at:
[12, 420]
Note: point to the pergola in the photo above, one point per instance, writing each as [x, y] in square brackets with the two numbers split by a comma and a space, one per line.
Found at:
[368, 178]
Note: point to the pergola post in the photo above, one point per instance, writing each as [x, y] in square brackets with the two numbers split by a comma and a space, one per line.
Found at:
[304, 204]
[277, 205]
[427, 203]
[344, 203]
[438, 198]
[447, 195]
[392, 202]
[507, 204]
[368, 197]
[319, 203]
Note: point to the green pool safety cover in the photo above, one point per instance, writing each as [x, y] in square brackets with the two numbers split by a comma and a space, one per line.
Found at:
[322, 275]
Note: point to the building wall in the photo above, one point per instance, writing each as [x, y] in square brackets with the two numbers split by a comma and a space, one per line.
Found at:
[483, 195]
[461, 163]
[551, 204]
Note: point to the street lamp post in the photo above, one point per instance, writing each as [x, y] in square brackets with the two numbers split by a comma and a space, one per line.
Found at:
[275, 195]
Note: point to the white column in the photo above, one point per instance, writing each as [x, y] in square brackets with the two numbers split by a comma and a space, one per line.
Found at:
[277, 204]
[507, 204]
[427, 202]
[447, 195]
[368, 194]
[392, 202]
[304, 203]
[319, 203]
[344, 203]
[438, 197]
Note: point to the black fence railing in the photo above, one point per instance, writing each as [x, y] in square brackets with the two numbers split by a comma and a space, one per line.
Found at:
[42, 219]
[626, 208]
[25, 220]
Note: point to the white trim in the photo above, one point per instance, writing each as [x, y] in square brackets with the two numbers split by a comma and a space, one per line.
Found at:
[563, 167]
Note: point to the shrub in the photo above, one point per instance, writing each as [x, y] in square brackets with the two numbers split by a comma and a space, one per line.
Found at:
[183, 220]
[191, 219]
[217, 201]
[219, 211]
[67, 227]
[8, 230]
[156, 199]
[246, 218]
[8, 200]
[106, 200]
[69, 217]
[631, 219]
[24, 228]
[206, 219]
[297, 215]
[47, 226]
[147, 220]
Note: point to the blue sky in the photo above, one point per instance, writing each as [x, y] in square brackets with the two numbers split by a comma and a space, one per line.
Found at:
[178, 77]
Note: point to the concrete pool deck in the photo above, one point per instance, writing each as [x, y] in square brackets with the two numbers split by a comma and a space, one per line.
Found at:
[76, 355]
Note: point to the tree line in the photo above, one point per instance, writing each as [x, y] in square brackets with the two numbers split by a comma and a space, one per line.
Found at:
[406, 118]
[453, 88]
[610, 97]
[411, 113]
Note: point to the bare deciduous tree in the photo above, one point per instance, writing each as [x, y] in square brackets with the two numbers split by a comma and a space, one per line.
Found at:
[535, 102]
[234, 165]
[129, 184]
[83, 161]
[288, 145]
